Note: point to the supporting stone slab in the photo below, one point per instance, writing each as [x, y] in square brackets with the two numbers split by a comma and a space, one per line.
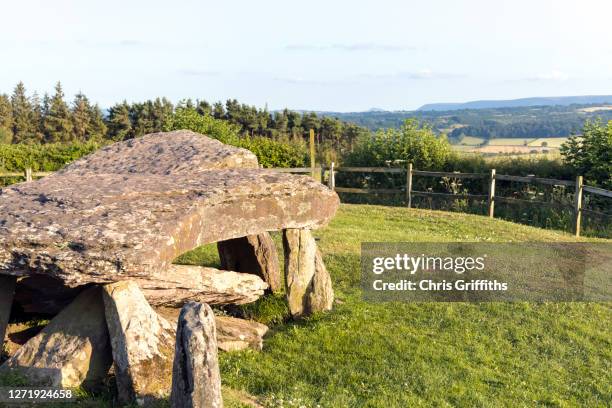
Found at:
[233, 334]
[73, 350]
[142, 345]
[308, 284]
[183, 283]
[238, 334]
[196, 380]
[254, 254]
[7, 291]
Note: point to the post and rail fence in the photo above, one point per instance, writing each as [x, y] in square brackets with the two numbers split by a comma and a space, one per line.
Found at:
[491, 197]
[492, 177]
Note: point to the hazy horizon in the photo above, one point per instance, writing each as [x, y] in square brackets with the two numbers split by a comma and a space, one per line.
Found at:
[341, 56]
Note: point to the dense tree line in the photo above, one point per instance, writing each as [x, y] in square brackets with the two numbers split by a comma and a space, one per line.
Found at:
[517, 122]
[31, 119]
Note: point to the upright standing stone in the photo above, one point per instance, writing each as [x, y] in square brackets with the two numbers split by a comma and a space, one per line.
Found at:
[73, 350]
[7, 291]
[142, 344]
[196, 381]
[254, 254]
[308, 283]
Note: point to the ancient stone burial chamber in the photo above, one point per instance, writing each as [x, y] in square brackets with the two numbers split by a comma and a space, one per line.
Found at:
[94, 244]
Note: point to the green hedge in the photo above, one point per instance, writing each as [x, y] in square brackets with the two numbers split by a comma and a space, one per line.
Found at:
[47, 157]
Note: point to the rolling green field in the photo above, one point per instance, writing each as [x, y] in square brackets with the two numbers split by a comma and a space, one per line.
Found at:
[419, 354]
[554, 142]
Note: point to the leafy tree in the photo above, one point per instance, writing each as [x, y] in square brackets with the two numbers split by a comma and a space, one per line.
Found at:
[57, 123]
[413, 142]
[189, 118]
[591, 154]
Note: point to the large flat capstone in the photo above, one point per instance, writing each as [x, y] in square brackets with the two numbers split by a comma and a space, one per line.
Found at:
[127, 211]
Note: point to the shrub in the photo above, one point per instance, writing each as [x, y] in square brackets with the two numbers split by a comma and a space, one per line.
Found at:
[275, 153]
[412, 142]
[591, 154]
[189, 118]
[48, 157]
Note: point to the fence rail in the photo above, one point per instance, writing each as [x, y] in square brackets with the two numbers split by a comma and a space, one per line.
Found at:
[491, 197]
[580, 189]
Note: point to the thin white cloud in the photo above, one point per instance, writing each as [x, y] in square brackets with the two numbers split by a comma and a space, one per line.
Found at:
[302, 81]
[198, 72]
[350, 47]
[423, 74]
[554, 75]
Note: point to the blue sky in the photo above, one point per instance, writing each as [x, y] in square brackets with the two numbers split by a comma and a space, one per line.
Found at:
[322, 55]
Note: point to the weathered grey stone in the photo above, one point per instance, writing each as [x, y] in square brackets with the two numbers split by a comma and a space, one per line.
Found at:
[238, 334]
[178, 152]
[73, 350]
[232, 333]
[254, 254]
[182, 283]
[127, 212]
[196, 380]
[308, 284]
[7, 290]
[142, 344]
[321, 298]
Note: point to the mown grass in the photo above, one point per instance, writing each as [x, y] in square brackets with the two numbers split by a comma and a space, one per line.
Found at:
[424, 354]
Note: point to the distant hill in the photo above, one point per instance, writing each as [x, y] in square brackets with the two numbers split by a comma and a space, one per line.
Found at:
[519, 103]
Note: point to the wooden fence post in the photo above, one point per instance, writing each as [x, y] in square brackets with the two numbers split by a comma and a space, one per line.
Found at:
[578, 206]
[491, 200]
[312, 152]
[409, 185]
[332, 177]
[28, 174]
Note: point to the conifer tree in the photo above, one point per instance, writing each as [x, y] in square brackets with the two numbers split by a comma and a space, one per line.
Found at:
[58, 122]
[119, 124]
[23, 131]
[81, 117]
[36, 121]
[97, 126]
[6, 119]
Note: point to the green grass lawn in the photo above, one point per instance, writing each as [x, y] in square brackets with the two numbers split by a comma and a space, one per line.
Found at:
[424, 354]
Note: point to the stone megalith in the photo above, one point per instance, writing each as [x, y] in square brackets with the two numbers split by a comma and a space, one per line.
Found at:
[73, 350]
[308, 284]
[142, 344]
[196, 380]
[7, 290]
[254, 254]
[128, 210]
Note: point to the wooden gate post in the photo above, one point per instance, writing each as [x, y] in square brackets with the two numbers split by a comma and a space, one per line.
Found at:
[28, 174]
[578, 206]
[332, 177]
[491, 201]
[409, 185]
[312, 153]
